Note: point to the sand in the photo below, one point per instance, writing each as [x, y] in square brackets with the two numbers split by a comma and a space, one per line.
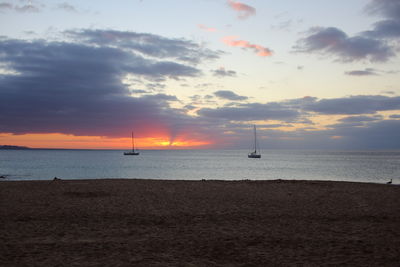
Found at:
[198, 223]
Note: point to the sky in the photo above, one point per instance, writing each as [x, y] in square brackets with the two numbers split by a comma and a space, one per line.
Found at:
[310, 74]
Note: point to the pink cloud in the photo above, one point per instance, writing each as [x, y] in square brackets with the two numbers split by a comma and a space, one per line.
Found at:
[244, 11]
[203, 27]
[260, 50]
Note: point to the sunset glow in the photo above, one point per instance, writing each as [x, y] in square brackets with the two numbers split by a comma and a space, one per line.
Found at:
[97, 142]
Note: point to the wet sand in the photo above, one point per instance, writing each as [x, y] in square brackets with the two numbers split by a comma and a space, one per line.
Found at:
[198, 223]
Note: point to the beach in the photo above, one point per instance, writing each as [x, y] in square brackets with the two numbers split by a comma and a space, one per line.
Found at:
[133, 222]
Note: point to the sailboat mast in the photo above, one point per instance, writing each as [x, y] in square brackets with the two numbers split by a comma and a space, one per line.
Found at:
[255, 140]
[133, 143]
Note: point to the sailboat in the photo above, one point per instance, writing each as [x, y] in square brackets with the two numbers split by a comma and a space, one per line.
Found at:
[133, 152]
[255, 154]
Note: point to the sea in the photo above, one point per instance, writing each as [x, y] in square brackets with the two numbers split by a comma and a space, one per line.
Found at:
[356, 166]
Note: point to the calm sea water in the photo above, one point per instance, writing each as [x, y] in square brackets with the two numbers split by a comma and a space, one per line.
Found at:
[371, 166]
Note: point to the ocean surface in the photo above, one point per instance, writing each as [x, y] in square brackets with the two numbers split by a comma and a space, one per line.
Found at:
[359, 166]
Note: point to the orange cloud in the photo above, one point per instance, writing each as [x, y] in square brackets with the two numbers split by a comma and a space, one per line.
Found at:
[208, 29]
[244, 10]
[260, 50]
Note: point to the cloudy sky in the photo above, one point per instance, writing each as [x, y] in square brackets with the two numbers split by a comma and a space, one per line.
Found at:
[311, 74]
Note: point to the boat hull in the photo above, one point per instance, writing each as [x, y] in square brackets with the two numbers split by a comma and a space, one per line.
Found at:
[254, 156]
[131, 153]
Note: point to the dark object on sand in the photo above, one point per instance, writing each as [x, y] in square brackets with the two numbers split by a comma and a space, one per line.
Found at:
[56, 179]
[390, 182]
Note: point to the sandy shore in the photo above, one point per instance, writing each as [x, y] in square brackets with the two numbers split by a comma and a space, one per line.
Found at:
[197, 223]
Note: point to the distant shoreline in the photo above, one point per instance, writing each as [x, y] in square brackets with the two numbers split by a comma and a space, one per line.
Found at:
[9, 147]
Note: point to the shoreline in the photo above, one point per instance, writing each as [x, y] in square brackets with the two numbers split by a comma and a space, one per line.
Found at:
[149, 222]
[4, 179]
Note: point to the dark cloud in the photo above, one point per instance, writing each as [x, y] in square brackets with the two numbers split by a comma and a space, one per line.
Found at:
[299, 103]
[6, 6]
[382, 134]
[67, 7]
[154, 69]
[245, 128]
[385, 29]
[77, 60]
[373, 45]
[23, 7]
[396, 116]
[221, 72]
[346, 125]
[353, 105]
[298, 110]
[366, 72]
[361, 118]
[139, 91]
[372, 135]
[389, 27]
[355, 121]
[335, 42]
[151, 45]
[229, 95]
[353, 132]
[76, 88]
[26, 6]
[155, 86]
[252, 111]
[197, 100]
[259, 126]
[189, 107]
[203, 85]
[386, 8]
